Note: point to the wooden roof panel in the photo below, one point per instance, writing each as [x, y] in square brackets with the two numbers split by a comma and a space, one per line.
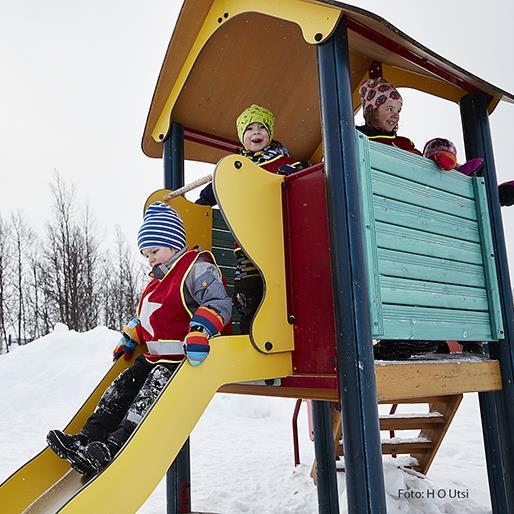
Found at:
[225, 80]
[255, 58]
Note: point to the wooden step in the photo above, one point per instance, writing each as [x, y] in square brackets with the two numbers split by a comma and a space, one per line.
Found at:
[407, 447]
[432, 428]
[414, 422]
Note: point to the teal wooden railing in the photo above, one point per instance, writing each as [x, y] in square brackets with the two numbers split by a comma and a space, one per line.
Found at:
[428, 248]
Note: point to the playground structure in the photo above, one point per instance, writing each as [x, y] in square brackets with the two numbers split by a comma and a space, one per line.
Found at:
[414, 253]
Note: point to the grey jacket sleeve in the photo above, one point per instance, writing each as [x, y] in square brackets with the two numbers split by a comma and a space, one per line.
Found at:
[203, 287]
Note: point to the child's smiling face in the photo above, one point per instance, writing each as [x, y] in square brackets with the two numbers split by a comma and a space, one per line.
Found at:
[388, 115]
[256, 137]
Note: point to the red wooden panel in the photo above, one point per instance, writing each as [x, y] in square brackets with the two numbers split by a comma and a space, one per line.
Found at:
[327, 382]
[309, 281]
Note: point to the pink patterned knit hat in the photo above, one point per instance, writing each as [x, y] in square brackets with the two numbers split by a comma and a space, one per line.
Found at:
[375, 92]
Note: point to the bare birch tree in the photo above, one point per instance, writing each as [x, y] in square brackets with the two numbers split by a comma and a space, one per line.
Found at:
[20, 235]
[4, 282]
[122, 284]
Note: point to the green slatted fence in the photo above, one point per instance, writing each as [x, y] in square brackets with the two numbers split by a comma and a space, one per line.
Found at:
[428, 247]
[222, 248]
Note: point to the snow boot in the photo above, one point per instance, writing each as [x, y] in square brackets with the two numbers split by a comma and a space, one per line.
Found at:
[402, 349]
[71, 448]
[475, 348]
[99, 455]
[389, 350]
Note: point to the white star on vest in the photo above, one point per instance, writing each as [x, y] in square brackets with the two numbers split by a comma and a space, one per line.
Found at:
[147, 309]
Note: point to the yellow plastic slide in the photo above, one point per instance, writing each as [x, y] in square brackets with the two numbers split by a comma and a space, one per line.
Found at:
[46, 484]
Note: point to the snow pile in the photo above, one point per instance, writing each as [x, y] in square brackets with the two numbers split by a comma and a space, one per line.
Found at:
[241, 450]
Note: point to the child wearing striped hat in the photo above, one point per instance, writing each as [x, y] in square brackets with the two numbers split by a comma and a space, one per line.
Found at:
[185, 301]
[255, 127]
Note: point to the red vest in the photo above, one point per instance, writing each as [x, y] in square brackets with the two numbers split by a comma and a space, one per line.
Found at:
[274, 164]
[404, 143]
[162, 309]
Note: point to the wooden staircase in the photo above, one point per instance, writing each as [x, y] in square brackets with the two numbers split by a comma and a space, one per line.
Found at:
[432, 426]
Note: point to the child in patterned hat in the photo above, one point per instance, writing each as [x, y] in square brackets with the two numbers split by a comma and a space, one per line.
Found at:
[382, 104]
[255, 126]
[184, 301]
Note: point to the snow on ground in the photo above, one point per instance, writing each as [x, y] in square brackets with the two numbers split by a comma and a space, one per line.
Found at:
[241, 450]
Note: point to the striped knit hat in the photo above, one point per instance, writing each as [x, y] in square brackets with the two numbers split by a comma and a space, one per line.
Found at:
[161, 226]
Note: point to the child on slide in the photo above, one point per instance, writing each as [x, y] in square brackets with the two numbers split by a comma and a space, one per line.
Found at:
[184, 301]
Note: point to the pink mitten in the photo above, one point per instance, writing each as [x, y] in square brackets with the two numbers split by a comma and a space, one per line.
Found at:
[471, 166]
[506, 191]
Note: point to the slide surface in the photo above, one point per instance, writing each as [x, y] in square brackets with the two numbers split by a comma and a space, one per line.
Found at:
[46, 484]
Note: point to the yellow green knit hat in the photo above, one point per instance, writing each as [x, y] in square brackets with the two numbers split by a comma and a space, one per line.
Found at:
[255, 114]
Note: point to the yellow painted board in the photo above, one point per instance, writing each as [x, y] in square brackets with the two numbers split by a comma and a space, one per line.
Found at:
[153, 447]
[250, 200]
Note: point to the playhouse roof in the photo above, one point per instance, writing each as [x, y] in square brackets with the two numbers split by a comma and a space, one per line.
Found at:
[226, 55]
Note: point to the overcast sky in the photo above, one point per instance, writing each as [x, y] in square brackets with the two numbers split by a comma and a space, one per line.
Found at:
[77, 79]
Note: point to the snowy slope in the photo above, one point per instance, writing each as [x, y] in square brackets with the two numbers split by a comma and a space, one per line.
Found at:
[241, 450]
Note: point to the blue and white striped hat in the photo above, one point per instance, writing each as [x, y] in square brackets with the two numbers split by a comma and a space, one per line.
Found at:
[162, 226]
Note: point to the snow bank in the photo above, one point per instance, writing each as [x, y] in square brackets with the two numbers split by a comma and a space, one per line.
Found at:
[241, 450]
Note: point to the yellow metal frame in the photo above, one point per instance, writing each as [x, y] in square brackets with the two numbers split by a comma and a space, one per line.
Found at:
[197, 218]
[250, 199]
[316, 22]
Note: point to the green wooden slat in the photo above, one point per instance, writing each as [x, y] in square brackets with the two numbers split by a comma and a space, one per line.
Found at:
[489, 260]
[423, 243]
[422, 323]
[223, 239]
[235, 328]
[430, 294]
[370, 243]
[421, 267]
[409, 191]
[218, 221]
[413, 216]
[418, 169]
[224, 256]
[228, 272]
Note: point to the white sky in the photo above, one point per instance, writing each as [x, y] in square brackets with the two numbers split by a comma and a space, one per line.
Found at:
[77, 79]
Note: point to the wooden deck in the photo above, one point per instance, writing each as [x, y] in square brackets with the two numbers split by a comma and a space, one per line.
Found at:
[396, 380]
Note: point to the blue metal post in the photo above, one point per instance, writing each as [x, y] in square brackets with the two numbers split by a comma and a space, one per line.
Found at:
[497, 408]
[178, 477]
[326, 474]
[355, 363]
[174, 157]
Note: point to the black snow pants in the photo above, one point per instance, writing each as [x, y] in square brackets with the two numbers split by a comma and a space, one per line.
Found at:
[126, 401]
[247, 297]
